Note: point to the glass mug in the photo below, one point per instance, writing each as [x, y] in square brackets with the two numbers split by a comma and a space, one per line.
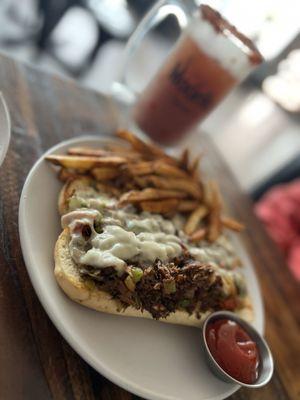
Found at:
[208, 60]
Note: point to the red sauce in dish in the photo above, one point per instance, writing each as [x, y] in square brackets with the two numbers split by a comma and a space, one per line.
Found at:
[233, 349]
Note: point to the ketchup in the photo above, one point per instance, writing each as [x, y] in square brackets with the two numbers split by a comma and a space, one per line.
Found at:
[233, 349]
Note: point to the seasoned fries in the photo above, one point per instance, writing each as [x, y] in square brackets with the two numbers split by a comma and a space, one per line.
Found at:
[140, 168]
[184, 159]
[187, 205]
[159, 167]
[215, 205]
[103, 187]
[145, 148]
[198, 235]
[65, 174]
[160, 207]
[186, 185]
[135, 196]
[84, 163]
[232, 224]
[142, 174]
[194, 219]
[105, 173]
[87, 151]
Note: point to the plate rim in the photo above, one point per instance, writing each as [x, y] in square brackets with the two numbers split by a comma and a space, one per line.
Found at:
[124, 383]
[8, 128]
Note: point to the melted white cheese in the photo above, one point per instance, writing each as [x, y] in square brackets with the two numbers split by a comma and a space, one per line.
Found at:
[130, 237]
[115, 245]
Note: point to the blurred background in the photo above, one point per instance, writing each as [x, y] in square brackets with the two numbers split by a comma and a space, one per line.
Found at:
[256, 128]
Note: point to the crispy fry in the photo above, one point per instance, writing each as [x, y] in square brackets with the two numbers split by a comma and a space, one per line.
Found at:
[66, 174]
[184, 159]
[141, 181]
[165, 169]
[152, 180]
[187, 205]
[143, 147]
[136, 196]
[160, 206]
[130, 186]
[84, 163]
[186, 185]
[198, 235]
[88, 151]
[182, 206]
[215, 206]
[105, 173]
[124, 151]
[159, 167]
[207, 192]
[140, 168]
[232, 224]
[138, 144]
[194, 218]
[117, 147]
[108, 189]
[194, 168]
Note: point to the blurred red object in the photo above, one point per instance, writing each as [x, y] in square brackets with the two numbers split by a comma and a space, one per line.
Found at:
[279, 209]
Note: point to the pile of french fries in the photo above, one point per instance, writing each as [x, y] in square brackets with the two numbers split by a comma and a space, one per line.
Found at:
[142, 174]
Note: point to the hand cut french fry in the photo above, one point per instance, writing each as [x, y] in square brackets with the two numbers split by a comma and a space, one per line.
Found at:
[215, 207]
[87, 151]
[102, 187]
[143, 147]
[135, 196]
[124, 151]
[232, 224]
[140, 168]
[186, 185]
[165, 169]
[138, 144]
[66, 174]
[160, 206]
[141, 181]
[159, 167]
[187, 205]
[194, 168]
[84, 163]
[194, 219]
[195, 164]
[105, 173]
[198, 235]
[184, 159]
[152, 180]
[130, 186]
[207, 192]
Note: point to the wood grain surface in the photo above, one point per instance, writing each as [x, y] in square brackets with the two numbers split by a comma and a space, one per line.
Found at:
[35, 361]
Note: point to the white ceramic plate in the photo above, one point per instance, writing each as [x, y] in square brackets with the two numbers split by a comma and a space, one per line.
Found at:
[151, 359]
[4, 128]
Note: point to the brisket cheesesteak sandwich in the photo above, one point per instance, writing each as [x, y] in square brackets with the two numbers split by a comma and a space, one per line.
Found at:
[143, 258]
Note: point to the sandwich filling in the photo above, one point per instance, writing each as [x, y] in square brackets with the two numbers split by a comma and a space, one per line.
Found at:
[146, 261]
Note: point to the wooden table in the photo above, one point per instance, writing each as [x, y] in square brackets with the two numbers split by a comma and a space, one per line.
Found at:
[35, 361]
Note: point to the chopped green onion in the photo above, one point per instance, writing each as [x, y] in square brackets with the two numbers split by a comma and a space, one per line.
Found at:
[75, 203]
[129, 283]
[137, 274]
[90, 284]
[184, 303]
[169, 287]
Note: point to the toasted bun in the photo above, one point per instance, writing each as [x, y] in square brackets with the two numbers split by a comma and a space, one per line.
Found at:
[69, 188]
[82, 292]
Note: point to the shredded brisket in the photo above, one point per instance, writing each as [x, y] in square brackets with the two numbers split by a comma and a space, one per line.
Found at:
[164, 288]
